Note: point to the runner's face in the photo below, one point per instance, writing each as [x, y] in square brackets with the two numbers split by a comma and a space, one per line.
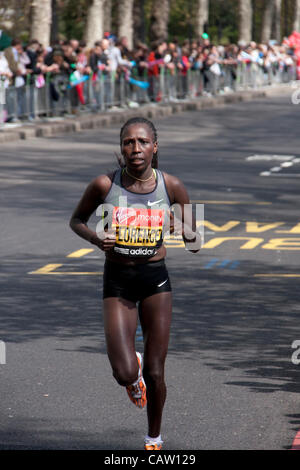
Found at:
[138, 147]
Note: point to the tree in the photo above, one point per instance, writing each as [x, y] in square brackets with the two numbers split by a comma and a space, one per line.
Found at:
[107, 15]
[159, 21]
[245, 20]
[271, 25]
[125, 20]
[54, 21]
[139, 21]
[277, 14]
[202, 16]
[94, 22]
[41, 17]
[267, 21]
[296, 23]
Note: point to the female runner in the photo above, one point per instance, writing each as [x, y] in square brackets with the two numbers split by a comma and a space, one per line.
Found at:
[135, 270]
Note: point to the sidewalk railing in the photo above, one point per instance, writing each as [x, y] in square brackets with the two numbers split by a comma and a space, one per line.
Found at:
[58, 97]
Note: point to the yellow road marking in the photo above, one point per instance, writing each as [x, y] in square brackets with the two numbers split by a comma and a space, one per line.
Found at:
[295, 229]
[51, 269]
[276, 275]
[216, 228]
[249, 245]
[67, 273]
[47, 269]
[79, 253]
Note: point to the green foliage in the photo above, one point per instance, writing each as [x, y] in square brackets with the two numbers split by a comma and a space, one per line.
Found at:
[222, 27]
[223, 21]
[72, 18]
[181, 22]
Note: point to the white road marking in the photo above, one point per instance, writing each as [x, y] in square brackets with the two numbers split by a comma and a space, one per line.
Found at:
[287, 161]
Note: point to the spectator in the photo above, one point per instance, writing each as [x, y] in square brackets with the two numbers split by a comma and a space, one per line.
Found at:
[230, 61]
[69, 58]
[100, 66]
[183, 66]
[124, 48]
[140, 54]
[12, 55]
[155, 59]
[17, 62]
[214, 69]
[82, 59]
[32, 51]
[99, 60]
[75, 45]
[115, 57]
[5, 72]
[59, 78]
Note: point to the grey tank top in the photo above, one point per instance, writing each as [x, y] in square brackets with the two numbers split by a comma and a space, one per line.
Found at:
[139, 220]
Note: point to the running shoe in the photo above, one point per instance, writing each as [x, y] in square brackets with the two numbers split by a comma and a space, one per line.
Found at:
[137, 391]
[153, 443]
[153, 447]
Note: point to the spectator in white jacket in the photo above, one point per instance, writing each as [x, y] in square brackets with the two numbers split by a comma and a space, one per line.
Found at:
[5, 72]
[115, 57]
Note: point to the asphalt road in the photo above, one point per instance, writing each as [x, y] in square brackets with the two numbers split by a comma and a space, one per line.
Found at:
[232, 383]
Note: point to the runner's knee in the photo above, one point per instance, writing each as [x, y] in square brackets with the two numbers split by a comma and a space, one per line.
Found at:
[153, 375]
[125, 375]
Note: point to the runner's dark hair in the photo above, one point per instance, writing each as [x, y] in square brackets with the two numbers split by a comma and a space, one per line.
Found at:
[139, 120]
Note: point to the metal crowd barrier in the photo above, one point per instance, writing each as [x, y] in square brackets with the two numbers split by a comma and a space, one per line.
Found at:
[55, 97]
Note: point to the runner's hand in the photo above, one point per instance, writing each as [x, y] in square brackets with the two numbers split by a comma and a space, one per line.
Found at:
[104, 240]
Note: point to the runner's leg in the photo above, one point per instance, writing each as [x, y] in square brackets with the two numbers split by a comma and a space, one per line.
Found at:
[120, 322]
[155, 317]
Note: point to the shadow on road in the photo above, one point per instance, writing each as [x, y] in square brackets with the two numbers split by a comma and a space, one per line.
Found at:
[241, 322]
[51, 437]
[228, 319]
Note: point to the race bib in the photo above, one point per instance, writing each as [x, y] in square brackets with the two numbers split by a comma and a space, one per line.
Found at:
[139, 232]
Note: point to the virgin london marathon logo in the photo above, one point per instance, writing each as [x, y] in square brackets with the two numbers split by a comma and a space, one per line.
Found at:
[125, 215]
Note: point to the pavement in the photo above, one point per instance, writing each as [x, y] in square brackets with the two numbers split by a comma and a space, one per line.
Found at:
[232, 373]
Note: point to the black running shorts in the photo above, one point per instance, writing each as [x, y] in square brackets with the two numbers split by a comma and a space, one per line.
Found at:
[136, 282]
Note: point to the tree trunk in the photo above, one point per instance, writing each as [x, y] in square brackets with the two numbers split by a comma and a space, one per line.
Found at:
[94, 22]
[125, 21]
[267, 22]
[54, 22]
[139, 21]
[277, 14]
[159, 21]
[202, 16]
[41, 21]
[245, 21]
[296, 22]
[107, 16]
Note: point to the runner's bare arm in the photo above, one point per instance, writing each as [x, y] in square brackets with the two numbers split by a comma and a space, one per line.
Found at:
[179, 198]
[93, 196]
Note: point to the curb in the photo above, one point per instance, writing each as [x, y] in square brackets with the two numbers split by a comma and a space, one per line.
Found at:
[105, 119]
